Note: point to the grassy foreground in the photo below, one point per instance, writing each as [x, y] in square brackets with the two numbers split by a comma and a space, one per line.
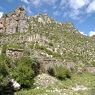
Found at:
[66, 87]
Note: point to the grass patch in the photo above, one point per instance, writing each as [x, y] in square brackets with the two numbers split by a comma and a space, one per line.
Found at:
[65, 86]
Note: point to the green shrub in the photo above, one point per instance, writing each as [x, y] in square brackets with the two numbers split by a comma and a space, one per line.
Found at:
[36, 66]
[16, 46]
[51, 71]
[23, 72]
[59, 72]
[3, 69]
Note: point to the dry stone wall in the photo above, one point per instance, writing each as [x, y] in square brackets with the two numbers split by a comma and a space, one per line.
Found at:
[14, 53]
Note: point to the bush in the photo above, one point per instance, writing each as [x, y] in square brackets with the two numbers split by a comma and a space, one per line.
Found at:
[59, 72]
[3, 69]
[36, 66]
[23, 72]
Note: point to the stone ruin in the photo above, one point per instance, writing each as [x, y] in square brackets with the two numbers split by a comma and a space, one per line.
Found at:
[14, 53]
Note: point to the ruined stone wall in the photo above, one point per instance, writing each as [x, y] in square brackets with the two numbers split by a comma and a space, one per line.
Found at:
[24, 38]
[14, 53]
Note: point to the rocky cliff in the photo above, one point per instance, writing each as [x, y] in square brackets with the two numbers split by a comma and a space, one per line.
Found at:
[14, 22]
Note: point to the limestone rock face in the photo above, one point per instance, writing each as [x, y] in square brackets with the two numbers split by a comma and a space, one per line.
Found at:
[14, 22]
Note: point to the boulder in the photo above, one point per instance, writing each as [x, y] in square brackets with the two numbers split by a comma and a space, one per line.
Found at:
[16, 85]
[44, 80]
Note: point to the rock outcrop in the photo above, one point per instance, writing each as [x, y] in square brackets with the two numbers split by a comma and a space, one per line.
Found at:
[45, 80]
[16, 21]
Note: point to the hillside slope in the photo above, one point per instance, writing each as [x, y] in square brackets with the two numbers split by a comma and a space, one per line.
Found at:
[33, 45]
[58, 40]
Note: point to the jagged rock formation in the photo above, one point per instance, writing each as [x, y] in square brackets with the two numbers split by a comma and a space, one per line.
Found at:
[17, 21]
[14, 22]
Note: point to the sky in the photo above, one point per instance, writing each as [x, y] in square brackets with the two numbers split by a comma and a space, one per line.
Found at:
[80, 12]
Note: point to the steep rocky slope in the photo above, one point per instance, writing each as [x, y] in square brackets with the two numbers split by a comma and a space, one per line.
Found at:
[45, 39]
